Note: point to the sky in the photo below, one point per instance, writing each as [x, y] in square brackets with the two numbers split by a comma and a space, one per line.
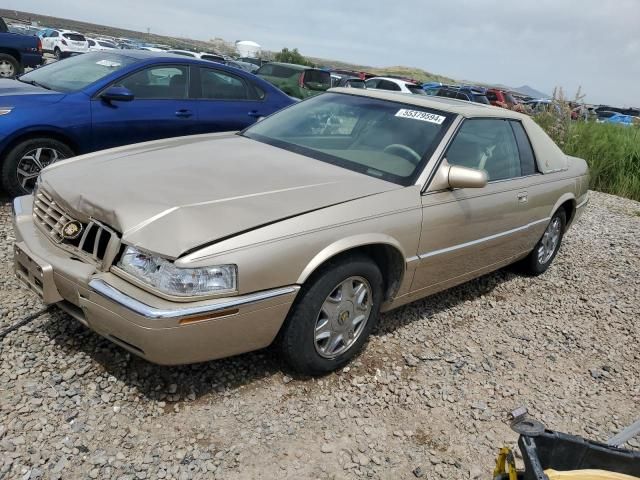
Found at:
[594, 44]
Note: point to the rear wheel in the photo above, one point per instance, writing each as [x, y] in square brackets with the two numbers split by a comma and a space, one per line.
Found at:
[333, 316]
[25, 161]
[9, 66]
[58, 53]
[540, 258]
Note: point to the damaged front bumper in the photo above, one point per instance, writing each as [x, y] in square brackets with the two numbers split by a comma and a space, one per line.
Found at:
[156, 329]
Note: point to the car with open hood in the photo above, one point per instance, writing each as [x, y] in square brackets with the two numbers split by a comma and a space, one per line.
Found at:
[299, 229]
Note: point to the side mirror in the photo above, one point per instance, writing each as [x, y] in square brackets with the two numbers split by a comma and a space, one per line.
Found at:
[463, 177]
[454, 176]
[117, 94]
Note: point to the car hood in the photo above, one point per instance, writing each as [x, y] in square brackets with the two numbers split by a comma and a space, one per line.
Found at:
[172, 196]
[13, 91]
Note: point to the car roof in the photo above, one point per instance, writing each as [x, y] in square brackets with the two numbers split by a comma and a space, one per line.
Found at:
[460, 107]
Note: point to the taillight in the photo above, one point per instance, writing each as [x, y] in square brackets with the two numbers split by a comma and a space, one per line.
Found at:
[301, 80]
[39, 46]
[64, 42]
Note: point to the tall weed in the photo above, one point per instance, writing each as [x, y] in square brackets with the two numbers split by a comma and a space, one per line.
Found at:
[612, 151]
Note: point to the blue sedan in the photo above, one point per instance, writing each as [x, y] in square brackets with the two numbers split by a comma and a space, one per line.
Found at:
[107, 99]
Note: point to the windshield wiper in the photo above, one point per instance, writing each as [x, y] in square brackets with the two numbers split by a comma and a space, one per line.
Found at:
[35, 84]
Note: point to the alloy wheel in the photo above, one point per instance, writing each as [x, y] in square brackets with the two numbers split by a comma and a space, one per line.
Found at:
[549, 241]
[342, 317]
[32, 163]
[7, 70]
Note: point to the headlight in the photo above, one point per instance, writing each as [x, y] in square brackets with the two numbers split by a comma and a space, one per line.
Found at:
[5, 110]
[185, 282]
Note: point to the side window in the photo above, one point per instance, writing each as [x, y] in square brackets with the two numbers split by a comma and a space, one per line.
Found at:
[462, 96]
[54, 34]
[486, 144]
[159, 83]
[527, 158]
[492, 96]
[387, 85]
[218, 85]
[372, 83]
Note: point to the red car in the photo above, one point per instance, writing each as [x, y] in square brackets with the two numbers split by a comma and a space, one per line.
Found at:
[500, 98]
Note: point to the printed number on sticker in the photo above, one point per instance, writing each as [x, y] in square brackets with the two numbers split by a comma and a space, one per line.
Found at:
[422, 116]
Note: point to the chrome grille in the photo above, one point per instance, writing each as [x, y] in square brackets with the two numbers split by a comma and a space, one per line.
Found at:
[97, 242]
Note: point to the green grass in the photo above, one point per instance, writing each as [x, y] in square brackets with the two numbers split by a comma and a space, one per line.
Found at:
[613, 155]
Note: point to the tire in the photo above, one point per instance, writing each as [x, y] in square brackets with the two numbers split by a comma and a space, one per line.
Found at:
[542, 255]
[58, 53]
[9, 66]
[31, 156]
[299, 341]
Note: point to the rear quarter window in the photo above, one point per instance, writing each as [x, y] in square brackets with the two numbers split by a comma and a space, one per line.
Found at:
[317, 76]
[76, 37]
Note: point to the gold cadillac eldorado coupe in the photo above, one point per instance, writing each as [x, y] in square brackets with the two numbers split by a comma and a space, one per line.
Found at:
[298, 230]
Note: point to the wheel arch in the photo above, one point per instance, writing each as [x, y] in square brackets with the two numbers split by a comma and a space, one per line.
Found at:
[384, 250]
[568, 203]
[38, 133]
[13, 53]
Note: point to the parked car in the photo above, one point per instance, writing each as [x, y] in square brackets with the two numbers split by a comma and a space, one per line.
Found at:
[17, 52]
[99, 45]
[348, 81]
[542, 105]
[247, 67]
[351, 82]
[299, 81]
[106, 99]
[258, 62]
[394, 85]
[212, 57]
[468, 94]
[298, 229]
[63, 43]
[500, 98]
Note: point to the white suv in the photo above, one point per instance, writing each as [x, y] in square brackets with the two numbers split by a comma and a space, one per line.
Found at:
[394, 85]
[63, 43]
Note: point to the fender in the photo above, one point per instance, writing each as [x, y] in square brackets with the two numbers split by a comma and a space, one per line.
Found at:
[564, 198]
[348, 243]
[74, 140]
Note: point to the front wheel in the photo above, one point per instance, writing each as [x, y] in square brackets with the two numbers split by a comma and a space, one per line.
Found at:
[540, 258]
[333, 317]
[25, 161]
[58, 53]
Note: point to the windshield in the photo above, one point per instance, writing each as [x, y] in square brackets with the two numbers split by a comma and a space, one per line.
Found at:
[379, 138]
[76, 73]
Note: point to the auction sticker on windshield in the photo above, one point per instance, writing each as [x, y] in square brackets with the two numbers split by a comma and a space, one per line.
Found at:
[422, 116]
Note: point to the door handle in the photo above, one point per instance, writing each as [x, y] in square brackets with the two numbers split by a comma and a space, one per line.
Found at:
[523, 197]
[254, 113]
[184, 113]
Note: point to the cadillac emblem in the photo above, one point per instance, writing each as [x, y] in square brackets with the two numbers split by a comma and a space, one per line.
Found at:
[71, 230]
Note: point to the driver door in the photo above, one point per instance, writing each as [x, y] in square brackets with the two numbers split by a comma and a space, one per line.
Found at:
[161, 108]
[469, 231]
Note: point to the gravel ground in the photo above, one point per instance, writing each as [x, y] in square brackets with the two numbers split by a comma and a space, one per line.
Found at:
[426, 399]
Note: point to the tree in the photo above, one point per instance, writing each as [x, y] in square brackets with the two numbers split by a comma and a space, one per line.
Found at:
[292, 56]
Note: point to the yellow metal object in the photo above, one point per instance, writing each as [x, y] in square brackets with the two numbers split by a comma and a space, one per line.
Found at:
[506, 463]
[587, 475]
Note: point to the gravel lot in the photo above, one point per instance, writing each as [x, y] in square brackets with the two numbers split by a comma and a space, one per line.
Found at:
[426, 399]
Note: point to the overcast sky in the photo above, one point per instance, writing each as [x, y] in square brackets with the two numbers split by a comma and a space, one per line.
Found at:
[541, 43]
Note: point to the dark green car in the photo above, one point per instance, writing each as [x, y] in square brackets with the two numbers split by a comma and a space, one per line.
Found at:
[295, 80]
